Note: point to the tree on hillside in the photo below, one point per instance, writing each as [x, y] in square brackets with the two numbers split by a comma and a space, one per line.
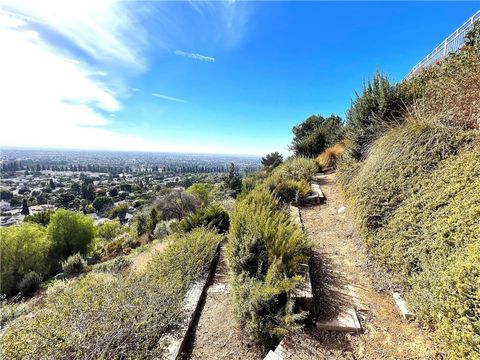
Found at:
[102, 203]
[71, 232]
[380, 105]
[201, 192]
[233, 180]
[272, 160]
[51, 184]
[25, 210]
[315, 134]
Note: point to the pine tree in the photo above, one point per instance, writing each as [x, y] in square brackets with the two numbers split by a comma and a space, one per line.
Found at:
[25, 210]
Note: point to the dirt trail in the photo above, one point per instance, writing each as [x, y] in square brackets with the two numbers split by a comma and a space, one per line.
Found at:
[340, 265]
[218, 335]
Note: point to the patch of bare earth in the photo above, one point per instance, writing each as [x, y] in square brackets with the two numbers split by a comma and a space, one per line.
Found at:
[218, 334]
[343, 276]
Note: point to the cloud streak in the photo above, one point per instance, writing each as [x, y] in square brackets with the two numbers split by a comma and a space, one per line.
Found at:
[170, 98]
[194, 56]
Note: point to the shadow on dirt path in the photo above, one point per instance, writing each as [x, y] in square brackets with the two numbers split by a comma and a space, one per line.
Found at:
[343, 276]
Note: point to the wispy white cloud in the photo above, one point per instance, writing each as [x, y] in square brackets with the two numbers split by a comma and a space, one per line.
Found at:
[194, 56]
[165, 97]
[50, 99]
[105, 29]
[136, 89]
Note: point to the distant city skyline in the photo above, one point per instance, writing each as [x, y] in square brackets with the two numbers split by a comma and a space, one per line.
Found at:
[198, 77]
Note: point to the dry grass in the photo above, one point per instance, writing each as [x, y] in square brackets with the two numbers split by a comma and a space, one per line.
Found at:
[331, 156]
[452, 91]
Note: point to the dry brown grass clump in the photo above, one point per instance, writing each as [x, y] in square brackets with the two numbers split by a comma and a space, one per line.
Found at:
[332, 155]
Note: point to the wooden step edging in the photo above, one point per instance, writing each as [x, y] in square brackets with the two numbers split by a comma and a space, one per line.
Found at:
[192, 306]
[303, 295]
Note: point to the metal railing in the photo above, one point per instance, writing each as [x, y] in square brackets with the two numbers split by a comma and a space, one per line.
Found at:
[451, 44]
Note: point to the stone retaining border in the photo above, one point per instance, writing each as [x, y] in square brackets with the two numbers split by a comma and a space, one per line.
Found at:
[193, 304]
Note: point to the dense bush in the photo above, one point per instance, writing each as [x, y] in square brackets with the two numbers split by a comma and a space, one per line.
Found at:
[23, 249]
[213, 217]
[201, 191]
[41, 218]
[440, 216]
[74, 265]
[384, 181]
[272, 160]
[165, 228]
[431, 231]
[451, 89]
[297, 168]
[265, 250]
[119, 210]
[418, 210]
[109, 230]
[380, 106]
[113, 266]
[121, 245]
[104, 316]
[102, 203]
[71, 233]
[30, 283]
[458, 319]
[315, 134]
[176, 204]
[287, 190]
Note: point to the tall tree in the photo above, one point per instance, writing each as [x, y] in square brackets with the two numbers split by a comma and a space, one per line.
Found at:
[315, 134]
[233, 180]
[25, 210]
[52, 184]
[272, 160]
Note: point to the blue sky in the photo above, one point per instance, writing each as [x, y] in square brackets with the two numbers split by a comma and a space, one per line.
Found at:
[215, 77]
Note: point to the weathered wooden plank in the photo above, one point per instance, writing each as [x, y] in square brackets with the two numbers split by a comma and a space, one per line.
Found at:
[346, 321]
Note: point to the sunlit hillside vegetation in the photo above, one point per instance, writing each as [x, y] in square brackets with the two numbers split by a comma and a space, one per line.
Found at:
[411, 177]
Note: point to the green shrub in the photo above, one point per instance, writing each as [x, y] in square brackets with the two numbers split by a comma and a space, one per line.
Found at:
[109, 230]
[265, 250]
[115, 317]
[419, 213]
[10, 310]
[30, 283]
[102, 203]
[213, 217]
[121, 245]
[201, 191]
[41, 218]
[74, 265]
[297, 168]
[440, 216]
[458, 319]
[56, 287]
[121, 209]
[71, 233]
[165, 228]
[113, 266]
[23, 248]
[380, 106]
[384, 181]
[287, 190]
[315, 134]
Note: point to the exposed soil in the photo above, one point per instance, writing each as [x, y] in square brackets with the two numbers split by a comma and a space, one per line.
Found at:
[218, 335]
[339, 266]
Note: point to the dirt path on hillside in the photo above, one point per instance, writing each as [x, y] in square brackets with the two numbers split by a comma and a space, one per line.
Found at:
[218, 335]
[341, 267]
